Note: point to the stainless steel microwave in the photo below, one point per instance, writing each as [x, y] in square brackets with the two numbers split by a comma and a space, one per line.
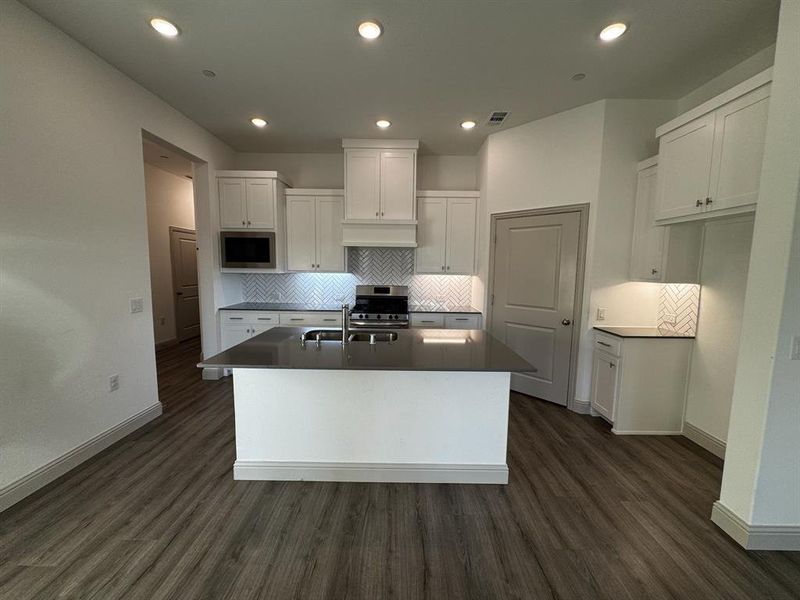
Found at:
[248, 249]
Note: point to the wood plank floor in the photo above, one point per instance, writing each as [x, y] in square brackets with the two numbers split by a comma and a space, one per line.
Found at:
[586, 515]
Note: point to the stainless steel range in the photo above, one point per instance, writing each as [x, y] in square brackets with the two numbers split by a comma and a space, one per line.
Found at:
[380, 306]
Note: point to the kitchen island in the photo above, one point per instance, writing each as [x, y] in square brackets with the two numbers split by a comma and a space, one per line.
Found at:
[427, 405]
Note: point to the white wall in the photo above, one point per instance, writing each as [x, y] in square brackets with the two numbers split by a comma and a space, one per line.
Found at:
[170, 203]
[723, 278]
[584, 155]
[327, 170]
[73, 242]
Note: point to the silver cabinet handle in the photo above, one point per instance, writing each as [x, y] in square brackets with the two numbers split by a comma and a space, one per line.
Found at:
[698, 203]
[427, 321]
[329, 320]
[376, 214]
[243, 223]
[654, 271]
[265, 318]
[297, 319]
[462, 319]
[249, 223]
[236, 318]
[611, 365]
[442, 267]
[448, 267]
[604, 344]
[381, 213]
[709, 201]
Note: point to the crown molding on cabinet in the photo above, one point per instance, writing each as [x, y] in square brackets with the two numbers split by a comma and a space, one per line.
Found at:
[256, 175]
[448, 194]
[380, 144]
[314, 192]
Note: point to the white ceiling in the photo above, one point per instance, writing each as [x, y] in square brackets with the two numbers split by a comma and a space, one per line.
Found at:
[300, 64]
[165, 158]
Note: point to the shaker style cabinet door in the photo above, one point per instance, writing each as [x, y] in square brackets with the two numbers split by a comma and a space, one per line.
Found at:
[398, 184]
[460, 236]
[431, 235]
[362, 184]
[330, 252]
[605, 384]
[300, 233]
[684, 168]
[647, 251]
[260, 195]
[232, 204]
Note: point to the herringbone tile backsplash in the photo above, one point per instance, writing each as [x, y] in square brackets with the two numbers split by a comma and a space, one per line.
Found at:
[683, 301]
[379, 266]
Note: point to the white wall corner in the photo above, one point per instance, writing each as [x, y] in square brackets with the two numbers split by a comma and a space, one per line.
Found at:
[755, 537]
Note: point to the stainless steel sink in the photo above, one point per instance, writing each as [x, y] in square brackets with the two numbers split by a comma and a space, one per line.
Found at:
[373, 336]
[322, 335]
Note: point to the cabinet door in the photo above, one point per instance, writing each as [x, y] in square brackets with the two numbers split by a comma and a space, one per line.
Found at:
[398, 184]
[684, 168]
[462, 321]
[431, 251]
[232, 207]
[234, 334]
[261, 203]
[260, 328]
[648, 241]
[300, 233]
[427, 320]
[330, 252]
[605, 384]
[739, 133]
[461, 213]
[362, 171]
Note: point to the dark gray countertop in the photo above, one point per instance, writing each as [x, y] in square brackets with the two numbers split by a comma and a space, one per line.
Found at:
[644, 332]
[286, 306]
[280, 348]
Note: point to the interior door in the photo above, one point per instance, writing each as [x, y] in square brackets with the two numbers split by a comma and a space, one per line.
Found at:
[183, 250]
[535, 271]
[330, 253]
[461, 236]
[398, 184]
[362, 171]
[431, 235]
[300, 233]
[261, 203]
[684, 168]
[739, 136]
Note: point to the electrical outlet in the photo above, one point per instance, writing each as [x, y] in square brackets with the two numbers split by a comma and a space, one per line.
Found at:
[113, 383]
[137, 305]
[796, 347]
[601, 314]
[670, 318]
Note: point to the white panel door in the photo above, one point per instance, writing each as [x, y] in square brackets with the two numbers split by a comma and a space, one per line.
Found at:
[535, 269]
[261, 203]
[739, 136]
[605, 384]
[362, 170]
[398, 184]
[183, 253]
[232, 206]
[330, 252]
[431, 251]
[461, 214]
[684, 168]
[234, 334]
[647, 251]
[300, 233]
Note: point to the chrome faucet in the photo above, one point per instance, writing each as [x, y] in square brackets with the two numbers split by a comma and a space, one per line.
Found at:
[345, 323]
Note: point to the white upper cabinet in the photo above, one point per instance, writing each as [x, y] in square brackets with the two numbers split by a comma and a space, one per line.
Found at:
[314, 231]
[362, 169]
[710, 158]
[446, 233]
[249, 199]
[380, 180]
[398, 184]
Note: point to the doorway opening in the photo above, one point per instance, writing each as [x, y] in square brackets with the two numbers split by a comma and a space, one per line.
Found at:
[537, 266]
[170, 200]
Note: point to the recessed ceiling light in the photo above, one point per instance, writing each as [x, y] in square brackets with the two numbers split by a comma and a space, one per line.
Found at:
[370, 29]
[164, 27]
[578, 77]
[613, 31]
[258, 122]
[383, 123]
[468, 124]
[209, 73]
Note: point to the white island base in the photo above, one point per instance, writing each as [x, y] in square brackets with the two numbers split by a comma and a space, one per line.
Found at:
[371, 426]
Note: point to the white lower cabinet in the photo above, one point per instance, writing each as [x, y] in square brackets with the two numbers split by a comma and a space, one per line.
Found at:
[236, 326]
[639, 384]
[446, 320]
[311, 319]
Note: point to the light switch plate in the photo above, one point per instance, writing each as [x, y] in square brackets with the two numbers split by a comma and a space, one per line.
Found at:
[796, 347]
[137, 305]
[601, 314]
[113, 383]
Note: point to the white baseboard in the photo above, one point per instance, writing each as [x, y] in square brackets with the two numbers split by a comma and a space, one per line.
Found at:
[643, 432]
[755, 537]
[710, 442]
[368, 472]
[166, 343]
[16, 491]
[582, 407]
[212, 373]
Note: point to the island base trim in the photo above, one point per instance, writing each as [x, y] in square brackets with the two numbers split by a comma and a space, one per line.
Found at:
[262, 470]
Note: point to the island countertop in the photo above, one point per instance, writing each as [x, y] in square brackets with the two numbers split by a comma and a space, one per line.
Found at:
[414, 350]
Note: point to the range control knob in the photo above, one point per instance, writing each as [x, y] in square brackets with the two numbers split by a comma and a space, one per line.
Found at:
[378, 317]
[360, 316]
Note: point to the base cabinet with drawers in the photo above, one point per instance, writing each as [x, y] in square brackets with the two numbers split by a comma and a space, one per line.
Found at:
[639, 384]
[446, 320]
[236, 326]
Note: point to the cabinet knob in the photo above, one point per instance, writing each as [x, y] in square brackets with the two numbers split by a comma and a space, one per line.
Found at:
[381, 213]
[448, 268]
[376, 214]
[698, 203]
[610, 365]
[654, 271]
[243, 223]
[709, 201]
[249, 223]
[442, 267]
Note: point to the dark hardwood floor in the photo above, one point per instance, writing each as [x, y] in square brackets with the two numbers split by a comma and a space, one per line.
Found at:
[586, 515]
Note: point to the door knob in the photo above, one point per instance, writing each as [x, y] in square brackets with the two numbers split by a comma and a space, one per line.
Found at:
[566, 322]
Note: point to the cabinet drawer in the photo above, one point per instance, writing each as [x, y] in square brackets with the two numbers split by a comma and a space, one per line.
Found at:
[312, 319]
[462, 321]
[247, 316]
[608, 343]
[427, 320]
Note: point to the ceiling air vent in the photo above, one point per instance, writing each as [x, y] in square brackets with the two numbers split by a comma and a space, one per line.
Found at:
[498, 117]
